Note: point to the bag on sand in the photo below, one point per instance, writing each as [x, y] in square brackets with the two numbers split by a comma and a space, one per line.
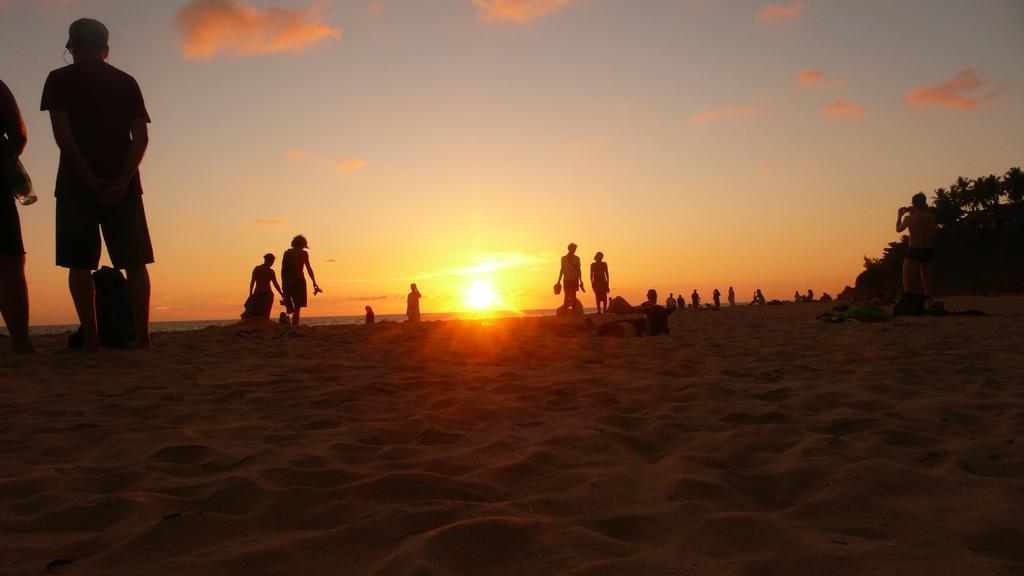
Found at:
[114, 318]
[910, 304]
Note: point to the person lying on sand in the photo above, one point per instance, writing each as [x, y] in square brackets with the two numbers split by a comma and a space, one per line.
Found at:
[655, 323]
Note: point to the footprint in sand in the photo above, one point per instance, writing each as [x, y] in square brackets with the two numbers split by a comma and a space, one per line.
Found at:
[183, 454]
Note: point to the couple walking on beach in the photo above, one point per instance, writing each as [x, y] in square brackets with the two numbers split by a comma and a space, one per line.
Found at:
[570, 281]
[294, 296]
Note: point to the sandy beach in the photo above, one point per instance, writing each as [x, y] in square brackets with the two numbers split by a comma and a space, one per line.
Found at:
[755, 441]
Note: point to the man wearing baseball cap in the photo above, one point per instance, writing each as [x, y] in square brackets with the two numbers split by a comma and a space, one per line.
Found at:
[100, 124]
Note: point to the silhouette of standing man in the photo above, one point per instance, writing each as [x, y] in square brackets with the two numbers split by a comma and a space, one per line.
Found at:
[100, 124]
[573, 276]
[917, 266]
[293, 264]
[13, 288]
[599, 282]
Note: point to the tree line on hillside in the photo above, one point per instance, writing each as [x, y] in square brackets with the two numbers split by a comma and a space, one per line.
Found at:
[979, 244]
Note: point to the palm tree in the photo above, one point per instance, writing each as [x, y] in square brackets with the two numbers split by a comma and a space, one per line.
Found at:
[987, 191]
[960, 192]
[947, 210]
[1013, 185]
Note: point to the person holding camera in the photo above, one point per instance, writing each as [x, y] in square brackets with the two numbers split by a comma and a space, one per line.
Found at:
[917, 266]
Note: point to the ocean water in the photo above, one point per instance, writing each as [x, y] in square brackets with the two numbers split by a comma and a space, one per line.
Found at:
[185, 325]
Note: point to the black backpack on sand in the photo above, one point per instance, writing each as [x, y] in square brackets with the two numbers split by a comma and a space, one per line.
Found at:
[114, 318]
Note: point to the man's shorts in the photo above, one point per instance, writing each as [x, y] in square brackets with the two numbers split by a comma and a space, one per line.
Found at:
[10, 225]
[921, 255]
[79, 221]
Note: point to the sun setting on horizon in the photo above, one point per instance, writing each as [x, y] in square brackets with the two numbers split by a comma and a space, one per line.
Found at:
[480, 296]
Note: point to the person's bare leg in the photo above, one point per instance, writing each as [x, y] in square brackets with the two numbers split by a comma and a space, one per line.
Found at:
[83, 293]
[927, 286]
[295, 316]
[910, 275]
[14, 301]
[139, 292]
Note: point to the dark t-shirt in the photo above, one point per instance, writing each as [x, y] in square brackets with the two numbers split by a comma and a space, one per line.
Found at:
[101, 102]
[10, 118]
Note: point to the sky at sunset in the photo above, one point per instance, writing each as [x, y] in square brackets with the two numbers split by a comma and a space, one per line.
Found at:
[698, 144]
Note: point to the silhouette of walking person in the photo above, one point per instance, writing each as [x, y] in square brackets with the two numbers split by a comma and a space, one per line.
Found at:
[412, 303]
[599, 282]
[100, 123]
[13, 286]
[732, 296]
[695, 299]
[261, 298]
[717, 297]
[570, 278]
[293, 265]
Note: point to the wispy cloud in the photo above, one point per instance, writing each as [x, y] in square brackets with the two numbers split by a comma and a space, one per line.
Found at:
[779, 12]
[331, 260]
[351, 165]
[965, 91]
[517, 10]
[375, 7]
[270, 221]
[809, 77]
[724, 113]
[211, 27]
[298, 155]
[843, 108]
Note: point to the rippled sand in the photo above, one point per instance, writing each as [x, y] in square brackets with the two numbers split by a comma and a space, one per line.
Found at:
[752, 441]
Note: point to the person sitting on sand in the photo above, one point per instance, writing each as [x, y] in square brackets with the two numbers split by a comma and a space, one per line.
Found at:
[810, 295]
[671, 303]
[695, 299]
[570, 272]
[717, 297]
[599, 282]
[758, 299]
[295, 260]
[261, 298]
[732, 296]
[412, 304]
[797, 297]
[370, 317]
[657, 316]
[917, 267]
